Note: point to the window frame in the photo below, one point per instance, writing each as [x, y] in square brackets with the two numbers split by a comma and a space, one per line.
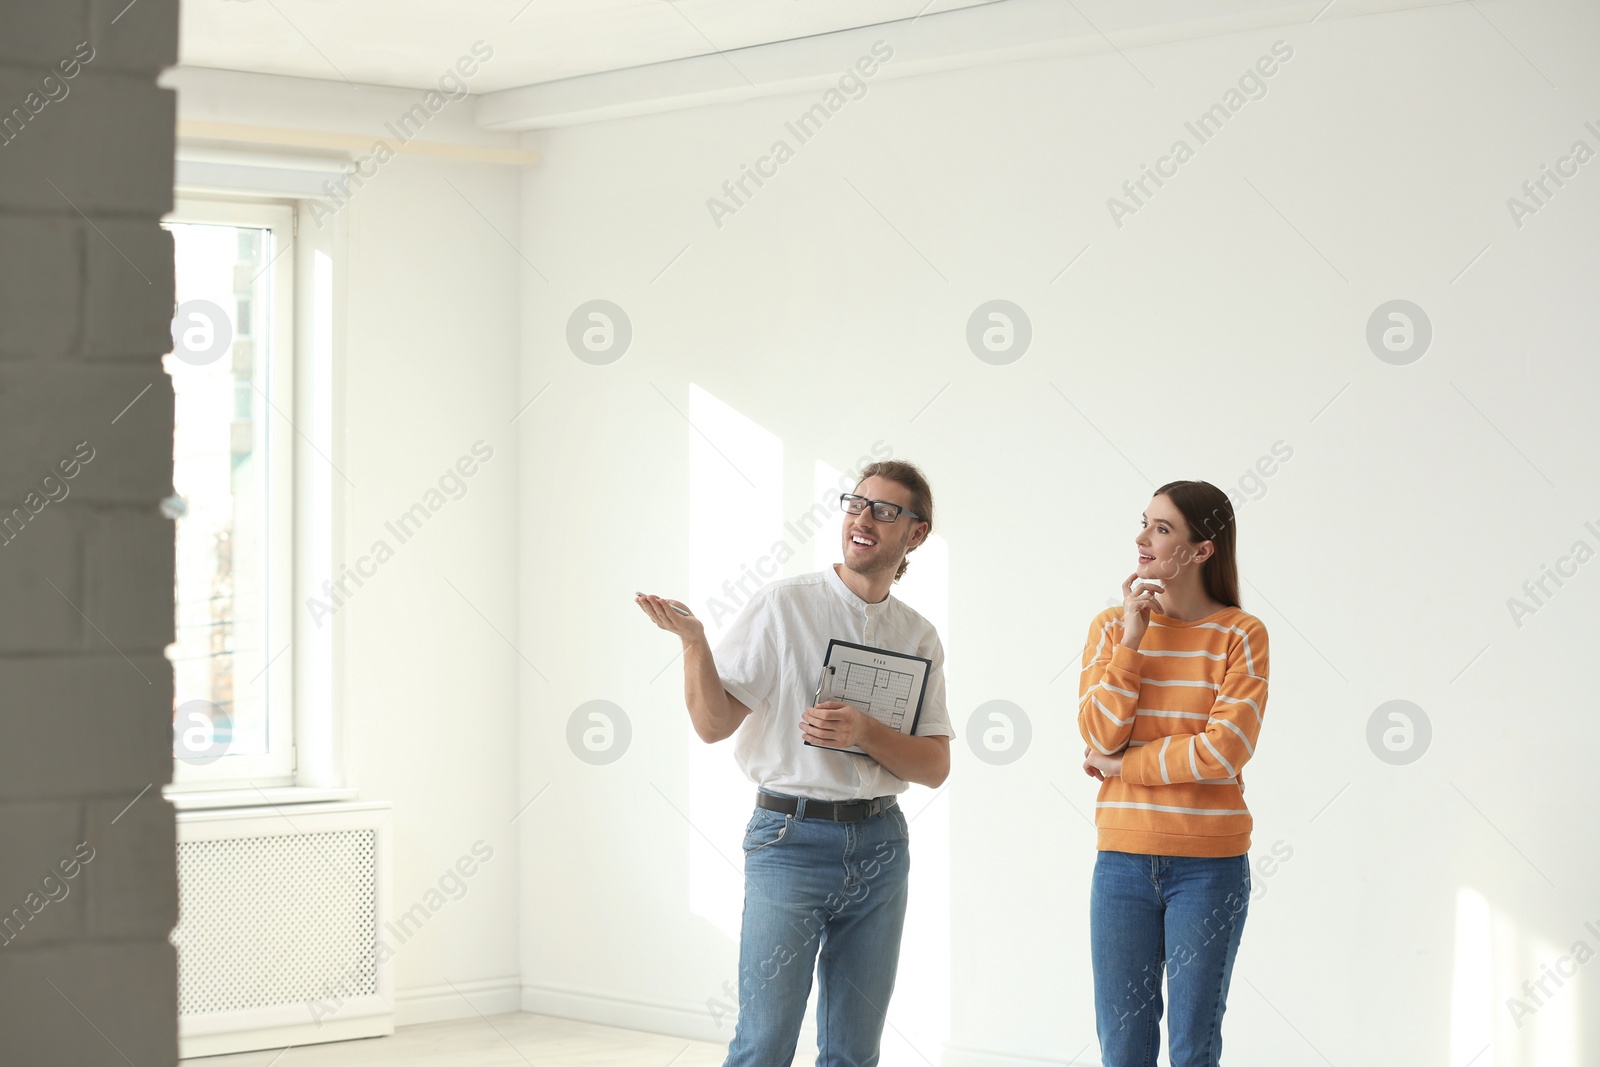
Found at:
[277, 768]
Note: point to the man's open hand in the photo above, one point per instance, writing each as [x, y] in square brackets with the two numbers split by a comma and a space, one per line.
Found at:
[686, 627]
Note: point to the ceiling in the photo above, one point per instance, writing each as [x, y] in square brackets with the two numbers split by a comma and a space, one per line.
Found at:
[411, 43]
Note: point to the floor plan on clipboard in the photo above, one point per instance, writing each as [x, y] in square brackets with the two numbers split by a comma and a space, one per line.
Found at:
[885, 685]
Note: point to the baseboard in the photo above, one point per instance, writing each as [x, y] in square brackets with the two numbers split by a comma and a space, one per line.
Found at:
[956, 1056]
[696, 1024]
[677, 1019]
[432, 1004]
[192, 1046]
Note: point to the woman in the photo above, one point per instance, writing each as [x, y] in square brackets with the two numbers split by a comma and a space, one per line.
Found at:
[1172, 694]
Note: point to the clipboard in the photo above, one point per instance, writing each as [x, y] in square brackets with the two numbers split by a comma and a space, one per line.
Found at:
[889, 686]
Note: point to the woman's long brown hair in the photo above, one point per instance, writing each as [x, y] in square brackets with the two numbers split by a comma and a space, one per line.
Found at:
[1209, 513]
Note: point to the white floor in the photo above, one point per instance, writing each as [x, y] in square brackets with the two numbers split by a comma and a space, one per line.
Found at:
[497, 1041]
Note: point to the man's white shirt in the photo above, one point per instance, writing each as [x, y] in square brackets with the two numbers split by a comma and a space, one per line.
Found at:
[771, 658]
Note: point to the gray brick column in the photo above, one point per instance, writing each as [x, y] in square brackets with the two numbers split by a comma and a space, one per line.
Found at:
[88, 892]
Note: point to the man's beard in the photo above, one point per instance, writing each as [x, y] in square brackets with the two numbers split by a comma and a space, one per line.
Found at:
[876, 566]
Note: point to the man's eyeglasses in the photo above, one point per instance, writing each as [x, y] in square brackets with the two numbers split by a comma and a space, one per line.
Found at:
[882, 510]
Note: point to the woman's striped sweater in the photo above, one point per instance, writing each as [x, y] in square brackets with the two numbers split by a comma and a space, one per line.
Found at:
[1185, 711]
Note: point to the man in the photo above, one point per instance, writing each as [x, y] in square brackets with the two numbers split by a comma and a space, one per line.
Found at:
[826, 851]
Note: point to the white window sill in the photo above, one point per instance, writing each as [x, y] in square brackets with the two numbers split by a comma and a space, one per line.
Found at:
[247, 797]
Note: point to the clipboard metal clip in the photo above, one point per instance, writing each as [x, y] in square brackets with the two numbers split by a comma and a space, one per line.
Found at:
[824, 685]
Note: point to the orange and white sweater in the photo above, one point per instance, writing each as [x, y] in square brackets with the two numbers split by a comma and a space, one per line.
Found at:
[1185, 711]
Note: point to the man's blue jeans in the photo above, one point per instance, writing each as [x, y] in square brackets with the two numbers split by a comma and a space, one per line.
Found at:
[824, 894]
[1178, 914]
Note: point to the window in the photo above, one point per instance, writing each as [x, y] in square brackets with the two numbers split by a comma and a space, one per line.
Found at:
[232, 375]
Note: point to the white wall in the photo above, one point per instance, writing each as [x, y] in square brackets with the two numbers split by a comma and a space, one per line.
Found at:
[424, 346]
[425, 671]
[1226, 315]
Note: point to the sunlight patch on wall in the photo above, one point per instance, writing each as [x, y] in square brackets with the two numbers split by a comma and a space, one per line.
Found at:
[735, 508]
[1514, 996]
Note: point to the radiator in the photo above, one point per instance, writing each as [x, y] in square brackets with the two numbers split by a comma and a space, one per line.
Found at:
[279, 910]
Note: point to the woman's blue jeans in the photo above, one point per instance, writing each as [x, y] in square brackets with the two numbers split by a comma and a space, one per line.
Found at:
[1181, 915]
[830, 896]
